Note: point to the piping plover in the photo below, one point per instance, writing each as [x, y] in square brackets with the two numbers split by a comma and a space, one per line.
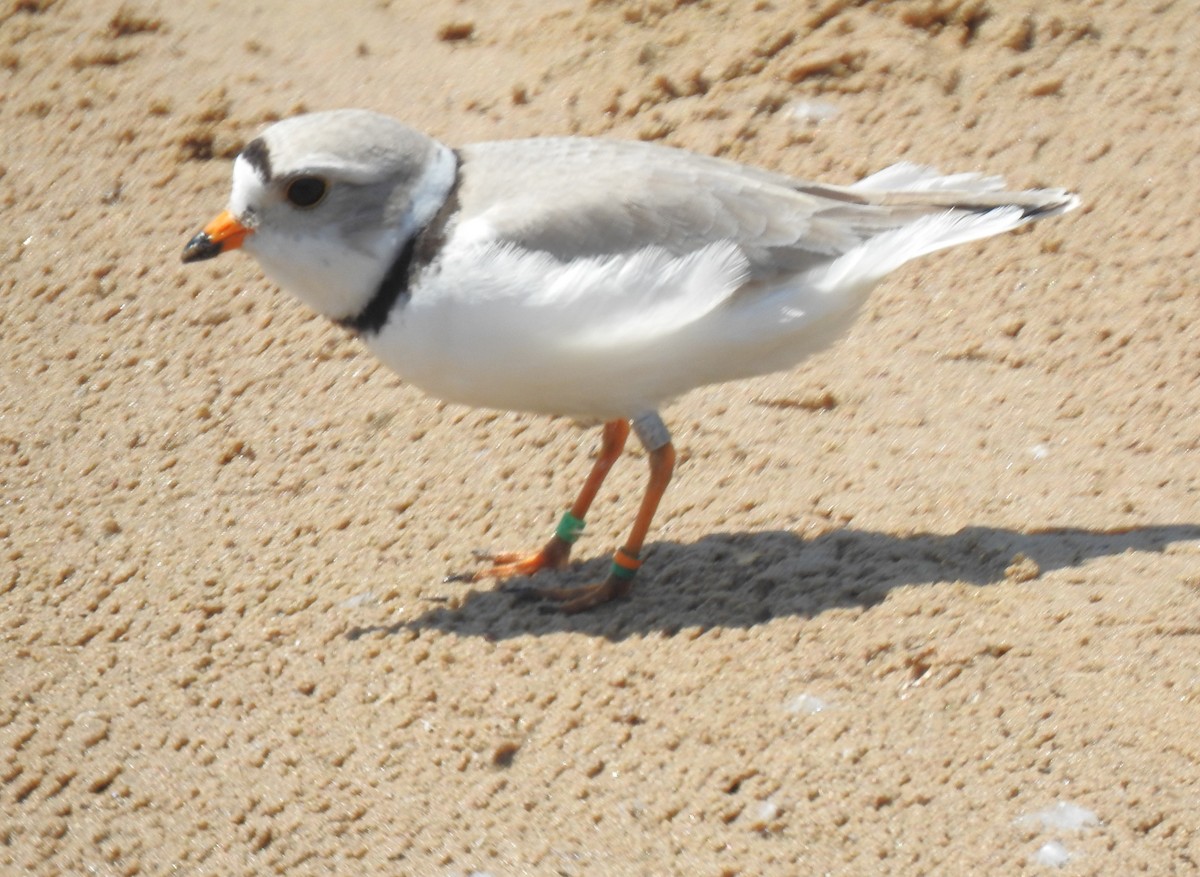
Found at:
[587, 278]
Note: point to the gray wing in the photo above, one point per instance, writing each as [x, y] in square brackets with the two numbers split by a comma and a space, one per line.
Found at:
[579, 198]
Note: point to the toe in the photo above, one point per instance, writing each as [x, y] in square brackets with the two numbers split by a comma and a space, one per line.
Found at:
[574, 600]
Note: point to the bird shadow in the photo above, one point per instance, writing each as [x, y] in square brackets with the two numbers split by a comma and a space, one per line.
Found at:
[739, 580]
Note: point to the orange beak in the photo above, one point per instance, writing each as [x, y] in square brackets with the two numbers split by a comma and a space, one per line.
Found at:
[223, 233]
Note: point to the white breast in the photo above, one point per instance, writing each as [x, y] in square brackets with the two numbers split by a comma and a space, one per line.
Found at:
[498, 327]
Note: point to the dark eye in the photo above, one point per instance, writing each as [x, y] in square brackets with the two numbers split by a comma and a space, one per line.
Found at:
[306, 191]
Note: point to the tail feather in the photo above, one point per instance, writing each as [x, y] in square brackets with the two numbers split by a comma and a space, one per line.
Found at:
[908, 177]
[899, 196]
[867, 263]
[911, 185]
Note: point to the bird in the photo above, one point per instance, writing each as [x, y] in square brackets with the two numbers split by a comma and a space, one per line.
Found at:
[586, 278]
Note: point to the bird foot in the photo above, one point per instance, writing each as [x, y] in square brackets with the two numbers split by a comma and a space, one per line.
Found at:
[506, 565]
[573, 600]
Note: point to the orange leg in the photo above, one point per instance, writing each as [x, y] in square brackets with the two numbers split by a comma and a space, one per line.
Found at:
[625, 564]
[555, 553]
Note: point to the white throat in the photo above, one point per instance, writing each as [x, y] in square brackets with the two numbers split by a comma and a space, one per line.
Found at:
[322, 270]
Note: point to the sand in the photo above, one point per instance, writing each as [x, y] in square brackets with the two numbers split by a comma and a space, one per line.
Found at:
[926, 604]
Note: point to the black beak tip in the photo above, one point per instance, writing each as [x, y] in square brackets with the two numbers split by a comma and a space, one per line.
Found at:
[201, 247]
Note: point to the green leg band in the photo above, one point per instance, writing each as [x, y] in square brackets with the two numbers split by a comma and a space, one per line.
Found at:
[624, 566]
[621, 573]
[569, 528]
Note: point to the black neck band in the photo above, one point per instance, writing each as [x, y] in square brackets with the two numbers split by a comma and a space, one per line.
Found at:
[418, 252]
[391, 288]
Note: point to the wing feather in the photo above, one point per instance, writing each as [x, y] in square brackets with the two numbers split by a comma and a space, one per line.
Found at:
[583, 198]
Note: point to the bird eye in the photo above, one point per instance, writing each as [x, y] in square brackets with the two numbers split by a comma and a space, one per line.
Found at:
[306, 191]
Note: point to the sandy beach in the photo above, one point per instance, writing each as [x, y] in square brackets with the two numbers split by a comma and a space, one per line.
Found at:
[928, 604]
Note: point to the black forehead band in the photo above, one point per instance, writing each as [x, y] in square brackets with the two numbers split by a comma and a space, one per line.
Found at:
[256, 155]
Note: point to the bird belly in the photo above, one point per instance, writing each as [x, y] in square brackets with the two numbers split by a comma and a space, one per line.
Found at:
[600, 339]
